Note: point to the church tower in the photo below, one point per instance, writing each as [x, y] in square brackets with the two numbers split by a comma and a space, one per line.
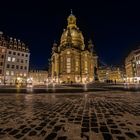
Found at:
[71, 61]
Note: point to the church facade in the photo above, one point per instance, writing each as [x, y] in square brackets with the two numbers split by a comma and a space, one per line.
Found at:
[72, 61]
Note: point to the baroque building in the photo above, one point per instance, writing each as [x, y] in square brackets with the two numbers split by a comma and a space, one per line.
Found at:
[72, 61]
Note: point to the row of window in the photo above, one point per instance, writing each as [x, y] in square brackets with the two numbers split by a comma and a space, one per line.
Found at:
[12, 73]
[17, 53]
[68, 66]
[137, 57]
[86, 67]
[2, 43]
[68, 52]
[16, 67]
[138, 62]
[77, 65]
[13, 59]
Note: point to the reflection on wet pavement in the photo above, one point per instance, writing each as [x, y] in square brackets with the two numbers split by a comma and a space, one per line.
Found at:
[91, 116]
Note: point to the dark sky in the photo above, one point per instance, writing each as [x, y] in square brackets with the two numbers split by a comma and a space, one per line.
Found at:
[114, 26]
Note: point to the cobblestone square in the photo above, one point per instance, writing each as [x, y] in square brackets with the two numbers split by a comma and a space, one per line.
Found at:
[72, 116]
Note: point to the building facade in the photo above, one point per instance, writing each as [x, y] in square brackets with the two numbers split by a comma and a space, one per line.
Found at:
[116, 74]
[38, 77]
[132, 66]
[72, 61]
[111, 74]
[2, 56]
[16, 61]
[103, 73]
[137, 59]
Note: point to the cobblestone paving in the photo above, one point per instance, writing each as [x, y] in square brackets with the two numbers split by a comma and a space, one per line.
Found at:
[91, 116]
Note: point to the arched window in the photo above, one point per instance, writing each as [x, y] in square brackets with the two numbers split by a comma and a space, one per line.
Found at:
[77, 65]
[68, 65]
[86, 67]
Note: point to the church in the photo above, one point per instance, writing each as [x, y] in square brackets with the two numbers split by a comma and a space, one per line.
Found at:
[73, 61]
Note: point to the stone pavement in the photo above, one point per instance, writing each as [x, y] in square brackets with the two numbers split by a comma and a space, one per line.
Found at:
[91, 116]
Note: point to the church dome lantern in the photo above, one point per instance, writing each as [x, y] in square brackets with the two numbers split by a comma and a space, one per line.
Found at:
[71, 21]
[77, 38]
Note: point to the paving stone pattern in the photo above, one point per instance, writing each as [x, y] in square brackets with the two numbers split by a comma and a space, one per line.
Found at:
[85, 116]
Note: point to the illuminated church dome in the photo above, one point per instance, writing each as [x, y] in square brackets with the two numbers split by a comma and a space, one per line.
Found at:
[77, 38]
[72, 61]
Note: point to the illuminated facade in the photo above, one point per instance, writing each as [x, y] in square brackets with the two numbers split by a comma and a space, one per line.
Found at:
[132, 66]
[137, 59]
[38, 77]
[103, 74]
[2, 57]
[72, 61]
[16, 61]
[112, 74]
[116, 74]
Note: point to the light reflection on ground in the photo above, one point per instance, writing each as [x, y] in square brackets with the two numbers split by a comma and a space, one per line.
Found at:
[98, 116]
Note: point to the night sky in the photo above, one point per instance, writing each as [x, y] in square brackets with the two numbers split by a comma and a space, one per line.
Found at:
[114, 26]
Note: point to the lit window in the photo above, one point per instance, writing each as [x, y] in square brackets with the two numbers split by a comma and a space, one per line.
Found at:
[12, 73]
[7, 72]
[68, 52]
[20, 74]
[68, 65]
[77, 64]
[13, 59]
[9, 58]
[86, 67]
[68, 60]
[3, 50]
[24, 74]
[68, 71]
[86, 70]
